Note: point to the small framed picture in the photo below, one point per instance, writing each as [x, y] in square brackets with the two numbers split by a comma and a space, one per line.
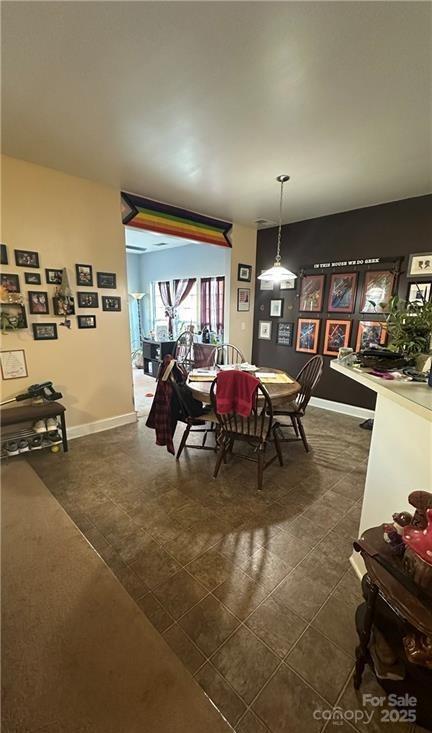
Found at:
[32, 278]
[38, 302]
[285, 333]
[244, 273]
[111, 303]
[377, 291]
[107, 280]
[420, 265]
[371, 333]
[53, 277]
[264, 330]
[44, 331]
[243, 299]
[288, 284]
[24, 258]
[311, 293]
[13, 316]
[13, 364]
[88, 300]
[3, 255]
[10, 283]
[276, 308]
[307, 335]
[337, 335]
[84, 275]
[86, 321]
[59, 306]
[266, 284]
[342, 294]
[419, 293]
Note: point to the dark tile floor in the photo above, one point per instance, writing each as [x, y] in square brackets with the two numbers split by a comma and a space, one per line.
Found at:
[252, 590]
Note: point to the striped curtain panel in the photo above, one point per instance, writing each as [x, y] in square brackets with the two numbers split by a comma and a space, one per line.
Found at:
[212, 303]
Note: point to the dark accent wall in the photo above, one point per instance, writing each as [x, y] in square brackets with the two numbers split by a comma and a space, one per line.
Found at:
[395, 230]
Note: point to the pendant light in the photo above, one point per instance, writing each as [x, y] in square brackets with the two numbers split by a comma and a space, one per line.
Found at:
[278, 272]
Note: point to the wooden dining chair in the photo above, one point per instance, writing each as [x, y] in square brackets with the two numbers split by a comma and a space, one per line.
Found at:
[183, 351]
[308, 378]
[229, 354]
[257, 430]
[194, 422]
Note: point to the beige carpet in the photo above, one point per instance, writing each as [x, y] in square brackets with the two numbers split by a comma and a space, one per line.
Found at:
[78, 653]
[144, 389]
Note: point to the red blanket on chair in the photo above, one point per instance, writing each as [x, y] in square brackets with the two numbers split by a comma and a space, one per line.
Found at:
[235, 391]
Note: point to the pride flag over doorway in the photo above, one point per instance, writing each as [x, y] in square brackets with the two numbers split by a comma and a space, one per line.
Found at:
[157, 217]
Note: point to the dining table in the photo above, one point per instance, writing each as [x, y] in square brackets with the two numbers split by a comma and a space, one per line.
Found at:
[283, 389]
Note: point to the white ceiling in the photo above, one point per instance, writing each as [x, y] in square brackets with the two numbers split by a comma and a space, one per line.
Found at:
[203, 104]
[146, 242]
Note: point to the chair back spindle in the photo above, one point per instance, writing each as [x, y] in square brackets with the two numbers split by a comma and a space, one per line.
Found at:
[308, 377]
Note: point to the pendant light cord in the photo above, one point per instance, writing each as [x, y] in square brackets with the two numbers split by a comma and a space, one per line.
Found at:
[278, 254]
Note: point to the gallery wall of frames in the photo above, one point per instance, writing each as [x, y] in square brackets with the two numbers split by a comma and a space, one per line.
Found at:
[55, 293]
[348, 265]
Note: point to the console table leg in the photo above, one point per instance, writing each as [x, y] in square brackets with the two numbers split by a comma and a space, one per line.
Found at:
[362, 651]
[64, 435]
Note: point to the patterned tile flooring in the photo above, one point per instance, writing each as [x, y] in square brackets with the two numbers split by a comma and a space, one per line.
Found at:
[252, 590]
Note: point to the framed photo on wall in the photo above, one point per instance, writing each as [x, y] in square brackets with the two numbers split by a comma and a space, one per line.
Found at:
[307, 335]
[32, 278]
[53, 277]
[264, 330]
[265, 284]
[243, 299]
[24, 258]
[311, 293]
[371, 333]
[10, 283]
[84, 275]
[107, 280]
[276, 308]
[86, 321]
[337, 335]
[13, 364]
[288, 284]
[44, 331]
[285, 333]
[244, 273]
[13, 316]
[420, 265]
[88, 300]
[59, 307]
[419, 293]
[38, 302]
[377, 291]
[111, 303]
[342, 293]
[3, 255]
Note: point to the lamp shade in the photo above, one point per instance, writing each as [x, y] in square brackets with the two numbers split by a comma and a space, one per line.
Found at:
[277, 273]
[137, 296]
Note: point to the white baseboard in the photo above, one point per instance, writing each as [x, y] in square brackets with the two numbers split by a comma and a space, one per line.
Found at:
[77, 431]
[351, 410]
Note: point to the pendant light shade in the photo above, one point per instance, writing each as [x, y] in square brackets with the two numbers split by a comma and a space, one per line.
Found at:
[278, 272]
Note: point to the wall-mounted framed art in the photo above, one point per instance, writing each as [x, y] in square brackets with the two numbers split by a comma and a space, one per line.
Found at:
[107, 280]
[276, 308]
[420, 265]
[288, 284]
[10, 282]
[265, 284]
[86, 321]
[264, 330]
[38, 302]
[307, 335]
[419, 293]
[88, 300]
[111, 303]
[337, 335]
[285, 333]
[3, 255]
[13, 316]
[370, 333]
[243, 299]
[377, 291]
[311, 293]
[244, 273]
[13, 364]
[45, 331]
[24, 258]
[342, 292]
[53, 277]
[32, 278]
[84, 275]
[59, 307]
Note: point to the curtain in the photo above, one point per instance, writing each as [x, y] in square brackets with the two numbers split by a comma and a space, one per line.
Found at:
[182, 289]
[212, 303]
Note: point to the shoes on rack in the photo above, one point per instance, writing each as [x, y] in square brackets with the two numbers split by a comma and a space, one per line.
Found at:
[40, 426]
[54, 437]
[23, 445]
[12, 448]
[51, 424]
[36, 443]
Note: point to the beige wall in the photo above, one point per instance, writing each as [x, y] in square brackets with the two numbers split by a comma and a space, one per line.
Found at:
[241, 324]
[69, 220]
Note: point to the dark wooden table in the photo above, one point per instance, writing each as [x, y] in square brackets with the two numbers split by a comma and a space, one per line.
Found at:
[278, 392]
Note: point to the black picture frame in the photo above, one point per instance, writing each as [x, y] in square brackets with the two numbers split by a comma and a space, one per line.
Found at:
[111, 303]
[243, 302]
[26, 258]
[59, 312]
[419, 292]
[10, 282]
[84, 275]
[38, 302]
[32, 278]
[86, 321]
[285, 333]
[420, 266]
[87, 300]
[4, 260]
[45, 331]
[16, 311]
[244, 273]
[288, 283]
[107, 280]
[53, 276]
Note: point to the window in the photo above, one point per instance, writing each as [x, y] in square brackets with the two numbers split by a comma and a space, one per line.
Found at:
[204, 305]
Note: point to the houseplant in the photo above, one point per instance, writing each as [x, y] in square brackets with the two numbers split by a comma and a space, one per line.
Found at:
[409, 325]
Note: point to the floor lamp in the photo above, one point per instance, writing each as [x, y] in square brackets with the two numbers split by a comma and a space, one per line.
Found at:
[137, 298]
